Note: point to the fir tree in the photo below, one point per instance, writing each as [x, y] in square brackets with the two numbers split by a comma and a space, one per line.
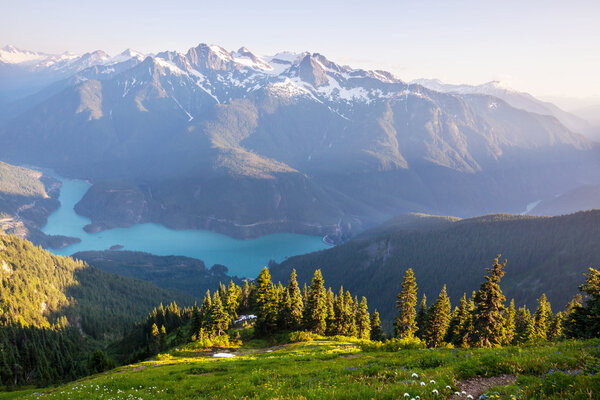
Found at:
[488, 321]
[205, 313]
[439, 318]
[196, 321]
[233, 300]
[584, 321]
[218, 316]
[349, 318]
[296, 304]
[266, 304]
[375, 326]
[542, 318]
[555, 328]
[457, 321]
[339, 311]
[522, 324]
[331, 321]
[421, 319]
[363, 322]
[405, 325]
[317, 305]
[509, 323]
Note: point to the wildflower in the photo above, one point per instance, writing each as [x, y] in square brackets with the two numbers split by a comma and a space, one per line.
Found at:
[422, 383]
[435, 391]
[469, 396]
[406, 395]
[432, 382]
[448, 387]
[414, 375]
[457, 393]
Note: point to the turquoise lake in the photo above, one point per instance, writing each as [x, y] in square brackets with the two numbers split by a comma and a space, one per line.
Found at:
[244, 258]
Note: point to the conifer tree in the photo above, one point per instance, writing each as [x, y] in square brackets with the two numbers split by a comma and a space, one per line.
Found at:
[317, 305]
[522, 324]
[542, 318]
[219, 318]
[331, 321]
[196, 321]
[457, 321]
[233, 301]
[363, 321]
[339, 311]
[375, 326]
[509, 323]
[205, 313]
[296, 304]
[154, 342]
[245, 298]
[349, 325]
[555, 328]
[439, 318]
[405, 325]
[265, 304]
[421, 319]
[584, 321]
[163, 338]
[488, 321]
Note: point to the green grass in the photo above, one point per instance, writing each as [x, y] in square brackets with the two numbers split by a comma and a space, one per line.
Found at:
[338, 368]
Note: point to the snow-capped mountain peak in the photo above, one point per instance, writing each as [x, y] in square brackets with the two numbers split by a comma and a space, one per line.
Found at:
[11, 55]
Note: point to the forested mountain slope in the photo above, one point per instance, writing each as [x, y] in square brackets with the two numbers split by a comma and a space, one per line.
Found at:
[170, 272]
[42, 290]
[27, 198]
[545, 254]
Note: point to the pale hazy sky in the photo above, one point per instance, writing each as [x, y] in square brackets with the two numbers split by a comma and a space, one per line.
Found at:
[545, 47]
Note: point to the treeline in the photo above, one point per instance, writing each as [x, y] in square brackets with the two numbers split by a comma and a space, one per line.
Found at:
[483, 320]
[41, 356]
[275, 308]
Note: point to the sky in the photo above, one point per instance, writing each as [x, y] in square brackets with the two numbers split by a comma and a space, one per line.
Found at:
[548, 48]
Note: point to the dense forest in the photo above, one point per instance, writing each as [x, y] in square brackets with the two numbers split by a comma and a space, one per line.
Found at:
[54, 310]
[545, 254]
[170, 272]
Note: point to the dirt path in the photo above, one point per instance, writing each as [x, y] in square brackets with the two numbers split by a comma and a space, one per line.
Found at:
[477, 386]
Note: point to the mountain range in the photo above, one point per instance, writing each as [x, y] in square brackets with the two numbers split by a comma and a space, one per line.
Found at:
[248, 145]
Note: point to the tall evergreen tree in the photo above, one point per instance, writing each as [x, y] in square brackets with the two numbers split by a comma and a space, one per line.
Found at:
[522, 324]
[457, 320]
[405, 325]
[488, 321]
[349, 318]
[317, 305]
[331, 321]
[542, 318]
[266, 303]
[339, 311]
[584, 321]
[421, 320]
[233, 301]
[439, 318]
[509, 323]
[205, 313]
[363, 321]
[296, 304]
[555, 327]
[376, 333]
[219, 318]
